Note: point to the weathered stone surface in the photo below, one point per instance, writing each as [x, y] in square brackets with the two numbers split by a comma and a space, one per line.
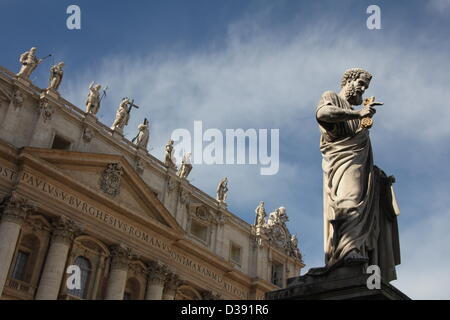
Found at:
[344, 283]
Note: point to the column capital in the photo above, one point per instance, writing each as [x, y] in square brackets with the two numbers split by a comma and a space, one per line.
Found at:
[172, 283]
[157, 273]
[121, 256]
[64, 230]
[210, 295]
[16, 208]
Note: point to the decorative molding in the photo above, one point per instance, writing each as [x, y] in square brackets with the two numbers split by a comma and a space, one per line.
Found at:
[121, 257]
[110, 179]
[88, 134]
[185, 197]
[140, 166]
[157, 273]
[16, 208]
[17, 98]
[64, 230]
[210, 295]
[46, 108]
[172, 282]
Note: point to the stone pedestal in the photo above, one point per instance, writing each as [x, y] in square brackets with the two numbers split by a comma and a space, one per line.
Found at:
[344, 283]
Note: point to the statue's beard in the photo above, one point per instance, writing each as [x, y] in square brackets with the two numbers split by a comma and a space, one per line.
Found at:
[352, 96]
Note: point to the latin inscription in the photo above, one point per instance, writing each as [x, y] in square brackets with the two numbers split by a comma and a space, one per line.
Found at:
[124, 227]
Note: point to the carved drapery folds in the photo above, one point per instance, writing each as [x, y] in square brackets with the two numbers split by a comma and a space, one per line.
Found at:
[110, 179]
[16, 208]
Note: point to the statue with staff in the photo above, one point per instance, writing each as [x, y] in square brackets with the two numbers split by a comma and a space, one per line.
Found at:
[29, 63]
[93, 99]
[141, 140]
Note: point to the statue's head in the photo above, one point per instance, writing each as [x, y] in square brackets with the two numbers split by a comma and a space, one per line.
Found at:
[33, 50]
[98, 87]
[261, 203]
[61, 64]
[354, 83]
[170, 142]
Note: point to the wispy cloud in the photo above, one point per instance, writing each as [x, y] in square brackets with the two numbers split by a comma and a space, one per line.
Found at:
[440, 6]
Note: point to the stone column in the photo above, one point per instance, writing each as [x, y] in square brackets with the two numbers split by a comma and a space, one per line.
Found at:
[15, 210]
[171, 286]
[55, 263]
[118, 274]
[155, 283]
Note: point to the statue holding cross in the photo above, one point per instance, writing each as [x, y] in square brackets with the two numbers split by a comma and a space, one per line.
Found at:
[123, 114]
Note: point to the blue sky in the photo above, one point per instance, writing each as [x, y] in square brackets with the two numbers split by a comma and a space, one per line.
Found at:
[264, 64]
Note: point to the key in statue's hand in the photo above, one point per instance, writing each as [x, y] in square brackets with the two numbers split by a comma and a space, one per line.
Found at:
[368, 111]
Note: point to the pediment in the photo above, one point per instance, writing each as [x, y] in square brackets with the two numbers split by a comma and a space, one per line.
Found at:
[97, 173]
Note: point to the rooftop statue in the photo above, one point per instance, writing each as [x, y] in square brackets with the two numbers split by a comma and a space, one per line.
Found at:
[168, 158]
[222, 190]
[93, 99]
[29, 63]
[143, 135]
[56, 75]
[123, 114]
[260, 219]
[186, 166]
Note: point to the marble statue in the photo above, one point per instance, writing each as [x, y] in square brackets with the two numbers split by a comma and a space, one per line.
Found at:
[186, 166]
[360, 213]
[29, 63]
[168, 158]
[260, 218]
[56, 75]
[222, 190]
[93, 99]
[143, 135]
[295, 251]
[279, 216]
[123, 114]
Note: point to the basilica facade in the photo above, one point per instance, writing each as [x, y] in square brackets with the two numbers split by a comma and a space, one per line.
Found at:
[77, 196]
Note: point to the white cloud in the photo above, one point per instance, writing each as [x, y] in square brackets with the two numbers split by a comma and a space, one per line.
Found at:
[440, 6]
[260, 79]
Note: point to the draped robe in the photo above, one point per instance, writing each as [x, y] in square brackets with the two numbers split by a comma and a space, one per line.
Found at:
[360, 212]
